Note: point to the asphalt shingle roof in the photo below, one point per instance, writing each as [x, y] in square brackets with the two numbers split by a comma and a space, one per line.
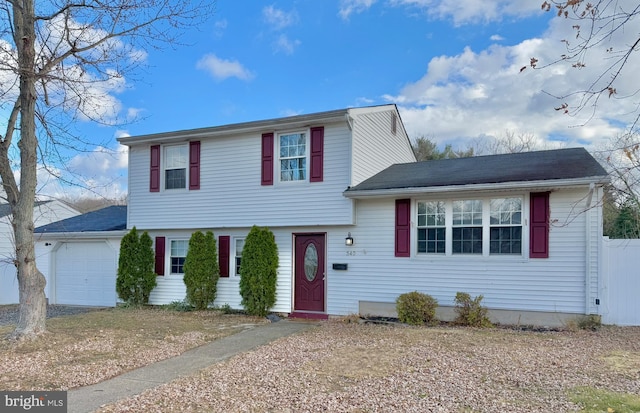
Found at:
[5, 209]
[573, 163]
[111, 218]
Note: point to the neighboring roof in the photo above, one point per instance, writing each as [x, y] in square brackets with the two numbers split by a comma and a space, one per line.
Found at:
[253, 126]
[560, 164]
[111, 218]
[5, 209]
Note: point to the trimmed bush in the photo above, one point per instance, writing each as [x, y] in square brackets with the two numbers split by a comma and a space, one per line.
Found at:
[201, 270]
[416, 308]
[259, 272]
[136, 277]
[470, 311]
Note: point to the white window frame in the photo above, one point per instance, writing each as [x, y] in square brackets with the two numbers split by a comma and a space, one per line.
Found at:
[486, 227]
[235, 254]
[165, 168]
[171, 256]
[279, 135]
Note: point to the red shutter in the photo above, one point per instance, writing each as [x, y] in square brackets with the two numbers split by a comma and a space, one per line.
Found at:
[160, 255]
[267, 159]
[539, 228]
[403, 227]
[224, 247]
[194, 165]
[317, 154]
[154, 176]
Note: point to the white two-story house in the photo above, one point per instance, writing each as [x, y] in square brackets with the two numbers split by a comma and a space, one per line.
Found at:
[358, 221]
[286, 174]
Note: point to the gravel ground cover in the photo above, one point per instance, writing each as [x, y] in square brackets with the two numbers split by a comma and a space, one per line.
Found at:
[342, 367]
[86, 348]
[336, 367]
[9, 313]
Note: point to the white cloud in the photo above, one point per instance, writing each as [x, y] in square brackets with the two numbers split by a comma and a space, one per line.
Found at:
[497, 38]
[279, 19]
[484, 93]
[348, 7]
[471, 11]
[96, 174]
[285, 45]
[222, 69]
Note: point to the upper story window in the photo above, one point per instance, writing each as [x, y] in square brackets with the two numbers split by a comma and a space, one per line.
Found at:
[175, 167]
[293, 156]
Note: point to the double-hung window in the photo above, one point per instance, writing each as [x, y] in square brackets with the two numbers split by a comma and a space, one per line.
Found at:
[293, 156]
[506, 226]
[176, 160]
[238, 255]
[178, 255]
[431, 227]
[470, 227]
[466, 236]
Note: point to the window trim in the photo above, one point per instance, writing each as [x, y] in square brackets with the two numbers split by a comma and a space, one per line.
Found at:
[164, 169]
[234, 271]
[170, 256]
[486, 227]
[307, 156]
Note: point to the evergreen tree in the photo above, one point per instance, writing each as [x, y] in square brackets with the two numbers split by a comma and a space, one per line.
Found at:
[136, 278]
[259, 271]
[201, 270]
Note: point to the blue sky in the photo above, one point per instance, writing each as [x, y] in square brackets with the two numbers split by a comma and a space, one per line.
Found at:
[452, 67]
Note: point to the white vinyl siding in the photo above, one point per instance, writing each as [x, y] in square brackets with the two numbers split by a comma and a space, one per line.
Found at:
[375, 146]
[556, 284]
[230, 193]
[43, 214]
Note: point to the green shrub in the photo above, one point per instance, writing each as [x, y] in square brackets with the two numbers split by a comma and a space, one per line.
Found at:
[181, 306]
[136, 277]
[471, 312]
[201, 270]
[259, 272]
[590, 322]
[416, 308]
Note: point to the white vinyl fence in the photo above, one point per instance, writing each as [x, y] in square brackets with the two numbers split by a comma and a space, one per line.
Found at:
[620, 289]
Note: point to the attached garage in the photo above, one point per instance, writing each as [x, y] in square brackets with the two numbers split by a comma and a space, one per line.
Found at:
[85, 274]
[79, 257]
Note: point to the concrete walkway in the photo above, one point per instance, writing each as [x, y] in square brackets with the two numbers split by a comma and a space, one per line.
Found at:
[90, 398]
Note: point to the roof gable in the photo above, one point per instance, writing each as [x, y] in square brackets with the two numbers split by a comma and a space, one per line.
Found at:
[5, 209]
[111, 218]
[561, 164]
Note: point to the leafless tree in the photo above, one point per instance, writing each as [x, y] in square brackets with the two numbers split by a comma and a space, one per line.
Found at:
[509, 142]
[56, 59]
[603, 44]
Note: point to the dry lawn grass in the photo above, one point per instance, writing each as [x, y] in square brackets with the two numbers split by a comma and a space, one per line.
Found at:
[337, 367]
[342, 367]
[87, 348]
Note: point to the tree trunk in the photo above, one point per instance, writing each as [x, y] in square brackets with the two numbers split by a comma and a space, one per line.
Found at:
[31, 282]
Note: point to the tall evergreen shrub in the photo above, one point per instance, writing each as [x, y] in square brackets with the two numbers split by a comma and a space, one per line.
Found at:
[201, 270]
[259, 271]
[136, 277]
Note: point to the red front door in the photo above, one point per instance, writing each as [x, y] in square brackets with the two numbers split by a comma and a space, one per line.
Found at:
[309, 272]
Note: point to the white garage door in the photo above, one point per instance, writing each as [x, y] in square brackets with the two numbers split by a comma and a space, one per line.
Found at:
[86, 274]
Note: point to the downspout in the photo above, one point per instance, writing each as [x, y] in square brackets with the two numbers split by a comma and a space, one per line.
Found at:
[588, 242]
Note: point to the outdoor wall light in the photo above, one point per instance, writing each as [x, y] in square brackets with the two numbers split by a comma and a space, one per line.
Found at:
[349, 240]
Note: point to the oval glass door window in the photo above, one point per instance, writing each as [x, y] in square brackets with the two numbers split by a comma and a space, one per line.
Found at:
[311, 262]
